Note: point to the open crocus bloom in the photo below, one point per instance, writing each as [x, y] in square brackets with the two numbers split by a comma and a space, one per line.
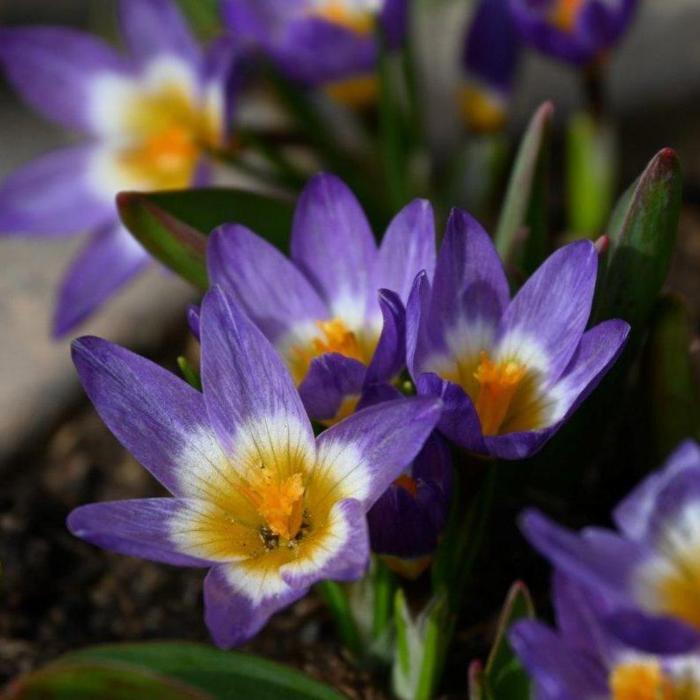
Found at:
[257, 498]
[577, 31]
[320, 308]
[150, 118]
[652, 566]
[583, 660]
[321, 42]
[510, 371]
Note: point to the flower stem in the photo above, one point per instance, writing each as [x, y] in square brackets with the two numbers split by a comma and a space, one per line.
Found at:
[337, 601]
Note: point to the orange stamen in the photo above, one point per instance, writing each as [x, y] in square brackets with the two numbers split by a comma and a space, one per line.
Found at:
[337, 12]
[640, 681]
[498, 382]
[171, 150]
[565, 14]
[279, 502]
[408, 483]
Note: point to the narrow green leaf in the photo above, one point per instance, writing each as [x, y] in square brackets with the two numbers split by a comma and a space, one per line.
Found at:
[336, 598]
[220, 674]
[591, 172]
[189, 373]
[673, 400]
[107, 680]
[641, 243]
[523, 212]
[173, 226]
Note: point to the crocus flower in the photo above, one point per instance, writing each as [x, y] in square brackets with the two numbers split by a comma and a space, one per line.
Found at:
[256, 498]
[406, 522]
[321, 42]
[577, 31]
[490, 59]
[650, 567]
[320, 308]
[583, 660]
[510, 371]
[148, 117]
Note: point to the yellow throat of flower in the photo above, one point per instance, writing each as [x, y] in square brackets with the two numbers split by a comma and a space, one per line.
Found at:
[498, 382]
[565, 13]
[339, 13]
[642, 681]
[280, 502]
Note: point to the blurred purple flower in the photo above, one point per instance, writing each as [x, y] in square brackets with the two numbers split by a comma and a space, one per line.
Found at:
[652, 565]
[490, 60]
[320, 308]
[511, 372]
[149, 117]
[256, 498]
[578, 31]
[584, 660]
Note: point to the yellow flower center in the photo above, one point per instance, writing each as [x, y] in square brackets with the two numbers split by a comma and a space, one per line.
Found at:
[338, 12]
[333, 336]
[482, 110]
[358, 92]
[642, 681]
[565, 14]
[498, 383]
[165, 133]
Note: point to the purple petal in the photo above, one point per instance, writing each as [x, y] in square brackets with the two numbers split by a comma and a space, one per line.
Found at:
[333, 244]
[378, 393]
[273, 292]
[420, 342]
[54, 195]
[331, 379]
[110, 260]
[652, 635]
[385, 438]
[553, 306]
[243, 376]
[394, 19]
[344, 553]
[390, 354]
[673, 522]
[634, 513]
[54, 70]
[459, 421]
[155, 27]
[158, 417]
[138, 528]
[407, 248]
[470, 284]
[520, 445]
[237, 604]
[193, 320]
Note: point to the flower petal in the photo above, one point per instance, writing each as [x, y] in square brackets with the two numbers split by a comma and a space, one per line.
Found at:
[363, 454]
[272, 291]
[407, 248]
[239, 601]
[54, 195]
[158, 417]
[109, 261]
[552, 308]
[333, 244]
[243, 376]
[138, 528]
[652, 635]
[154, 27]
[331, 379]
[390, 354]
[54, 70]
[342, 554]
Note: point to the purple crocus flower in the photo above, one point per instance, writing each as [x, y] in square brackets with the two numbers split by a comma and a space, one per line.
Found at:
[256, 498]
[510, 371]
[577, 31]
[320, 308]
[490, 59]
[149, 117]
[321, 42]
[650, 567]
[583, 660]
[406, 522]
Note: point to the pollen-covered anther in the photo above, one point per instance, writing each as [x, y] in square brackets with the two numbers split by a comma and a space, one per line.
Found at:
[338, 12]
[337, 337]
[171, 149]
[640, 681]
[407, 483]
[565, 14]
[498, 382]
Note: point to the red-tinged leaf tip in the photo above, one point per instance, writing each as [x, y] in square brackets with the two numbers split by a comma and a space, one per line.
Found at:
[125, 199]
[602, 245]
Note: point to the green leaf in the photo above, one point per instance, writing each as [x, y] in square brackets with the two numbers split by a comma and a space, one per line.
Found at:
[203, 15]
[523, 215]
[219, 674]
[189, 373]
[87, 680]
[173, 226]
[641, 243]
[591, 173]
[673, 398]
[503, 678]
